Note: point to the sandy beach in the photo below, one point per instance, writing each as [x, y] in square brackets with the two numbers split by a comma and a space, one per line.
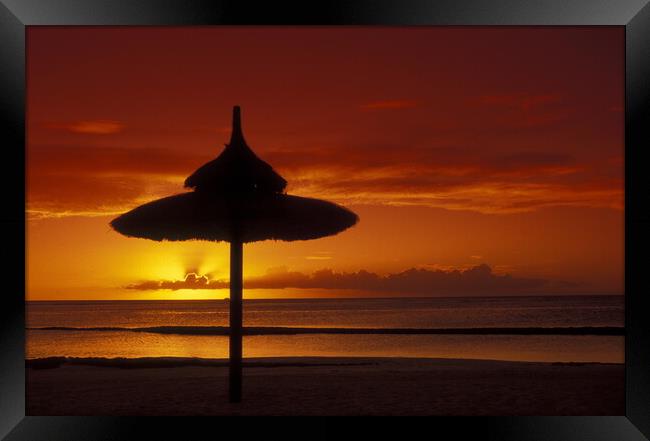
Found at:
[323, 386]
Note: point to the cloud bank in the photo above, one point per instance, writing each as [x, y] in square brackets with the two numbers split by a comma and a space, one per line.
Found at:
[476, 280]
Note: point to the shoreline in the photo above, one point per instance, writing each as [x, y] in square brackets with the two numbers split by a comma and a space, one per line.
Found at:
[253, 362]
[285, 330]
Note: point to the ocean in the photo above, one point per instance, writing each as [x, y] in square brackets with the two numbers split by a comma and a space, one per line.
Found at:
[544, 328]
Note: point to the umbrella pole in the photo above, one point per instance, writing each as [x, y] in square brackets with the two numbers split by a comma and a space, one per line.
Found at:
[236, 276]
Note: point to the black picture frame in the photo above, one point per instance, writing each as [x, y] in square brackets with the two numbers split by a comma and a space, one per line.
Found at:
[634, 15]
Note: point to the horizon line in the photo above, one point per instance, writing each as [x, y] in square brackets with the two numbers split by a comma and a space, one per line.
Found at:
[221, 299]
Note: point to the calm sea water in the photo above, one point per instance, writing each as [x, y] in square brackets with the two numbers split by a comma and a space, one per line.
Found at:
[494, 312]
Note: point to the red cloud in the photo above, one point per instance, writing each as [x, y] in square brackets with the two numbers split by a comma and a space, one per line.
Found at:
[93, 127]
[77, 180]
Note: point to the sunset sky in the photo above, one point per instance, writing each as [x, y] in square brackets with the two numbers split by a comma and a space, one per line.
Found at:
[481, 161]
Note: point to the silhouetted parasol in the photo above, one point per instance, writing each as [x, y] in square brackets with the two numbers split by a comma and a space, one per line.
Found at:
[237, 198]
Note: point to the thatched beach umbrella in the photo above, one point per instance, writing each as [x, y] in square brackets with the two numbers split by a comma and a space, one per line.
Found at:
[237, 198]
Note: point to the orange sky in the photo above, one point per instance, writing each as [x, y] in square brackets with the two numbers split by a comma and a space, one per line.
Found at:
[457, 147]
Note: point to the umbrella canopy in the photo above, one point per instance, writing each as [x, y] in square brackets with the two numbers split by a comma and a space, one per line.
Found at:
[236, 196]
[249, 218]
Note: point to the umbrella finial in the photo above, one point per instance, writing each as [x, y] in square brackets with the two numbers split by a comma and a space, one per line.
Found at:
[237, 136]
